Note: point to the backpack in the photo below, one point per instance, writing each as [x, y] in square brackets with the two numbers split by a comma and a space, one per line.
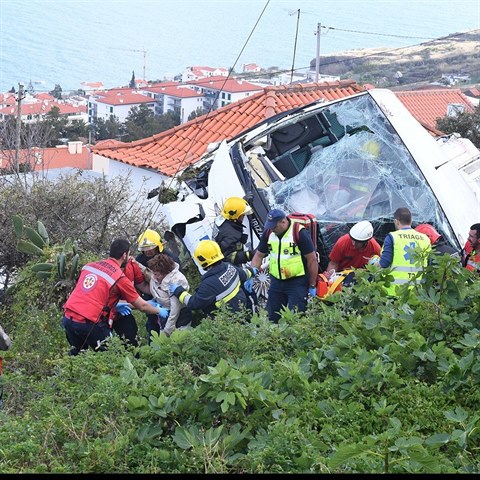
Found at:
[306, 220]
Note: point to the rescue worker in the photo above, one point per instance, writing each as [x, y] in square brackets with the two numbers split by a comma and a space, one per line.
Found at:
[221, 284]
[228, 230]
[149, 245]
[396, 251]
[439, 245]
[354, 249]
[89, 310]
[471, 258]
[293, 266]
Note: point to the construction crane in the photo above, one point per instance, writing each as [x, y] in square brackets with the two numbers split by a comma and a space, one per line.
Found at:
[144, 61]
[140, 51]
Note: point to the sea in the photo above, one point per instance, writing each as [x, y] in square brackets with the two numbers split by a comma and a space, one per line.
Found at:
[66, 42]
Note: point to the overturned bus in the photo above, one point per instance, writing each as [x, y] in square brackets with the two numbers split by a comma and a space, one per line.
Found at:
[357, 158]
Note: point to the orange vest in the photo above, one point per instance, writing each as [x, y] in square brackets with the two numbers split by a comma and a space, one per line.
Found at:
[90, 297]
[472, 258]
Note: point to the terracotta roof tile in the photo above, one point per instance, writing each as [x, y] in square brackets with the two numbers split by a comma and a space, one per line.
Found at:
[175, 149]
[428, 105]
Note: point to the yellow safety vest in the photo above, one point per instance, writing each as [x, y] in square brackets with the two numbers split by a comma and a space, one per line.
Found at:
[403, 266]
[285, 256]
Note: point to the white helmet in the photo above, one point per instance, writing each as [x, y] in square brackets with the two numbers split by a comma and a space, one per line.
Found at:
[362, 231]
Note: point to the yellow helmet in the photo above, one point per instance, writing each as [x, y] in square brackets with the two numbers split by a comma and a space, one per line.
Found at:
[149, 239]
[234, 207]
[207, 253]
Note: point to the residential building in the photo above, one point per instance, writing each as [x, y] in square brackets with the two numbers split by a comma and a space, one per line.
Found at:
[170, 96]
[197, 73]
[429, 105]
[35, 111]
[220, 91]
[72, 155]
[116, 103]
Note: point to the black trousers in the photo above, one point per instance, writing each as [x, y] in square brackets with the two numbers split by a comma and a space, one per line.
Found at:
[83, 335]
[125, 326]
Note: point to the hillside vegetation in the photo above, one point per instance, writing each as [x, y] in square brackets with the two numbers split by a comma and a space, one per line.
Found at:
[358, 384]
[427, 62]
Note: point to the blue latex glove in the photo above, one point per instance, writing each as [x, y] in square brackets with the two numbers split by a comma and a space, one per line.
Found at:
[154, 303]
[123, 309]
[164, 312]
[312, 291]
[172, 287]
[255, 271]
[248, 285]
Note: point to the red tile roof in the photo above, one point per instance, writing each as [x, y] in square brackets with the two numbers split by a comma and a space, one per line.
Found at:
[173, 150]
[124, 98]
[226, 84]
[175, 91]
[41, 108]
[49, 158]
[428, 105]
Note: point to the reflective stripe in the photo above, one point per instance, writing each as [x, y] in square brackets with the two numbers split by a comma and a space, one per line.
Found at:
[407, 269]
[227, 295]
[184, 297]
[285, 256]
[104, 275]
[404, 267]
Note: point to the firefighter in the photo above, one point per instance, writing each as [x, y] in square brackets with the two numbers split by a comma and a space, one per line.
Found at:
[221, 284]
[89, 310]
[228, 230]
[293, 264]
[471, 258]
[397, 251]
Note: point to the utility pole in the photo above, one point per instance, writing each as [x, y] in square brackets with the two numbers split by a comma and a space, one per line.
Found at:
[19, 127]
[295, 46]
[317, 58]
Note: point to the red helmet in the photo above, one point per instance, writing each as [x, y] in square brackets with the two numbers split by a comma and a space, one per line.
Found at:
[429, 231]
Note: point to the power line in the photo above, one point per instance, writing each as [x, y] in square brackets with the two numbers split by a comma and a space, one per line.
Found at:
[211, 106]
[375, 33]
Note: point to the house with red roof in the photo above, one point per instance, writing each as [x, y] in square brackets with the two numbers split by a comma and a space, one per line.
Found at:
[36, 111]
[198, 72]
[72, 155]
[251, 68]
[220, 91]
[116, 102]
[429, 105]
[175, 97]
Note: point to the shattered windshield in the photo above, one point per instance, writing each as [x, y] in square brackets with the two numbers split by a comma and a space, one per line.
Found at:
[354, 167]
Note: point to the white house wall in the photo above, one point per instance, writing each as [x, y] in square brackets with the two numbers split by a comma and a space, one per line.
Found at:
[141, 178]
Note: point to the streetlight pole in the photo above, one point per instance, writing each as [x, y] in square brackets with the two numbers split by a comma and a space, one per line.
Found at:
[19, 127]
[317, 58]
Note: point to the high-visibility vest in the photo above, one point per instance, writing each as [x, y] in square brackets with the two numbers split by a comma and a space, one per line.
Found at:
[91, 294]
[285, 256]
[472, 258]
[403, 265]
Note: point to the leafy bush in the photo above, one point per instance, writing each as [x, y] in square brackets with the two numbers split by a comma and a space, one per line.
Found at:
[362, 384]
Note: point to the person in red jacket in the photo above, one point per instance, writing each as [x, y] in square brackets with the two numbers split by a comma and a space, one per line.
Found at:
[90, 308]
[471, 258]
[354, 249]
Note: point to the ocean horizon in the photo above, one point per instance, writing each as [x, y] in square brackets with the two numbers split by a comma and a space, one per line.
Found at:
[49, 42]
